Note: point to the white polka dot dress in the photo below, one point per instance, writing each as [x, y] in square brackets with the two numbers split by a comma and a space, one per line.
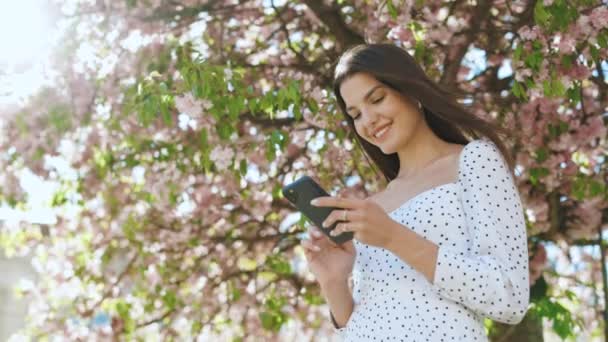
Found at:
[482, 262]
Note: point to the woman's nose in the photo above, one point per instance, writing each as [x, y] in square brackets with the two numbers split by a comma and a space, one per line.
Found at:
[368, 118]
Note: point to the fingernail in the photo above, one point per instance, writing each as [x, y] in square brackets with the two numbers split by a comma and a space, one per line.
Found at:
[314, 202]
[333, 233]
[325, 224]
[316, 248]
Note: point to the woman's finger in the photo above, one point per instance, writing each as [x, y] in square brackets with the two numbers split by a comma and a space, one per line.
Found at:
[344, 227]
[335, 216]
[319, 238]
[314, 233]
[307, 244]
[338, 202]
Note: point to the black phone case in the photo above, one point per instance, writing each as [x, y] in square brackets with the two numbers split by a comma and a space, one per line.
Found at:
[300, 193]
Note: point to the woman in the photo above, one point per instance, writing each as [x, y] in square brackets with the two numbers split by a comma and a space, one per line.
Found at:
[444, 245]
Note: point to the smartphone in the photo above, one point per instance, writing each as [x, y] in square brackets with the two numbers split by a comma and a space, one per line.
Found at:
[300, 193]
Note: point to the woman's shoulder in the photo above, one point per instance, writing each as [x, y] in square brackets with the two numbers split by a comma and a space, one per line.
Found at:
[481, 150]
[482, 159]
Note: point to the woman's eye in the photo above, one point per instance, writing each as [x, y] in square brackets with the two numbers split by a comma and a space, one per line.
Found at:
[378, 100]
[356, 117]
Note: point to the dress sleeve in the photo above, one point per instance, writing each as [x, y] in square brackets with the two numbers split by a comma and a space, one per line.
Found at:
[491, 278]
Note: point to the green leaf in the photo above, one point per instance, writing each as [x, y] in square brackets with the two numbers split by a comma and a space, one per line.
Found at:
[595, 53]
[534, 60]
[224, 130]
[567, 61]
[541, 16]
[166, 114]
[203, 139]
[562, 321]
[234, 291]
[541, 154]
[574, 94]
[268, 321]
[579, 188]
[602, 39]
[518, 90]
[123, 309]
[517, 53]
[536, 173]
[392, 10]
[596, 188]
[420, 51]
[169, 299]
[243, 167]
[246, 264]
[313, 299]
[278, 264]
[279, 138]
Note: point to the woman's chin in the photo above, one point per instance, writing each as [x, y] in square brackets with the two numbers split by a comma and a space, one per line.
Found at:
[386, 150]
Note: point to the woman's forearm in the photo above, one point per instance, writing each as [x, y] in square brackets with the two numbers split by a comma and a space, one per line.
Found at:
[337, 294]
[414, 250]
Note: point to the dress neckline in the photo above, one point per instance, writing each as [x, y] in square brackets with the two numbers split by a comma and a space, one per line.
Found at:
[437, 187]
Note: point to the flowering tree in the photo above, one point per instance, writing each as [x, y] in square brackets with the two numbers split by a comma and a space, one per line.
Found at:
[173, 126]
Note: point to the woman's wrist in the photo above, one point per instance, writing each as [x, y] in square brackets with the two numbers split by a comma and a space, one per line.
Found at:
[332, 283]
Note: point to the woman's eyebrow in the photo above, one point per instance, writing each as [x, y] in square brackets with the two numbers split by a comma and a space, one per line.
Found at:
[369, 93]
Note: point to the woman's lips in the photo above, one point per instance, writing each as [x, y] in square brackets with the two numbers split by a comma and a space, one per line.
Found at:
[383, 133]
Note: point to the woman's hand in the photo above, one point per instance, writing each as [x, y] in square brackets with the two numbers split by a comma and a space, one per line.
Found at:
[365, 218]
[329, 262]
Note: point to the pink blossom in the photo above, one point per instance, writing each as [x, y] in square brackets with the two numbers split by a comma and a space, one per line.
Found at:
[599, 17]
[317, 94]
[401, 33]
[528, 34]
[554, 161]
[540, 208]
[579, 72]
[524, 159]
[314, 120]
[203, 196]
[548, 106]
[594, 128]
[571, 168]
[588, 217]
[566, 44]
[528, 119]
[522, 73]
[222, 157]
[583, 26]
[564, 142]
[543, 73]
[440, 34]
[187, 104]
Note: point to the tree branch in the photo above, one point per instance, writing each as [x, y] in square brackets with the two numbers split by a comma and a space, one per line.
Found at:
[330, 16]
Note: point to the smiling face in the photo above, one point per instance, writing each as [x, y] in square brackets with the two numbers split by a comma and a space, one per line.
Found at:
[381, 115]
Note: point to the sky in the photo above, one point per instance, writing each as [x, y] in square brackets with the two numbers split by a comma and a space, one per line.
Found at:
[27, 35]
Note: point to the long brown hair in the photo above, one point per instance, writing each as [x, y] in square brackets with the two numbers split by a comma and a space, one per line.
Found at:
[395, 68]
